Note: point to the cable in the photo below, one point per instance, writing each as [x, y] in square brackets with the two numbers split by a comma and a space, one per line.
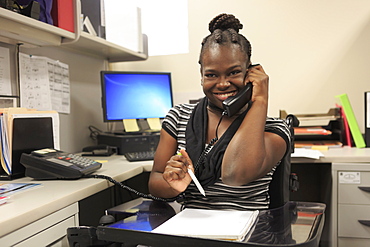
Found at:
[133, 190]
[203, 155]
[94, 132]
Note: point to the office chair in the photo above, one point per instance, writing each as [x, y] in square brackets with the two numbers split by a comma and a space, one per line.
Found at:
[283, 181]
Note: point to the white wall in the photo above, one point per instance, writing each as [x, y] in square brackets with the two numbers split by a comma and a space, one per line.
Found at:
[86, 109]
[311, 49]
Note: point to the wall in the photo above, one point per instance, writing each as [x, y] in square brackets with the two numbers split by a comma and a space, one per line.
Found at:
[84, 74]
[312, 50]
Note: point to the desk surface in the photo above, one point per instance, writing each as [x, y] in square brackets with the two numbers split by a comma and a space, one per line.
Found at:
[30, 205]
[294, 224]
[339, 155]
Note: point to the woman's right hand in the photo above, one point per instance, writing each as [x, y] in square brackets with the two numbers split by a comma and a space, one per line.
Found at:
[176, 171]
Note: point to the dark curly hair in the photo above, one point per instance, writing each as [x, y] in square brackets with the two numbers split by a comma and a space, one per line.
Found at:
[224, 29]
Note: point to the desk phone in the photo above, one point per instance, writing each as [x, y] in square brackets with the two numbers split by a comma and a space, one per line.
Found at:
[50, 163]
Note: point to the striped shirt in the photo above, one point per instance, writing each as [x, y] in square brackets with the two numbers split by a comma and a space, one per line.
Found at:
[251, 196]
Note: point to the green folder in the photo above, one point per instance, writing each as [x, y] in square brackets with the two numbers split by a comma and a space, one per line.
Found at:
[352, 122]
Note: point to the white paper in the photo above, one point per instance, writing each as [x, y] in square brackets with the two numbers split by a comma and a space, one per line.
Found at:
[44, 84]
[59, 86]
[218, 224]
[5, 83]
[307, 153]
[123, 24]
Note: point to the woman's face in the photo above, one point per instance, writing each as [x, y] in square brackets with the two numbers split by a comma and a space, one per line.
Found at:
[223, 70]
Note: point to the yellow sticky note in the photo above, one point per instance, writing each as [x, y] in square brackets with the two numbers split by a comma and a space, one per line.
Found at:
[320, 147]
[130, 125]
[154, 123]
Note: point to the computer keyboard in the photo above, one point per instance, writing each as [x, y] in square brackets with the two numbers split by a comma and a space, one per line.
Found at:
[140, 156]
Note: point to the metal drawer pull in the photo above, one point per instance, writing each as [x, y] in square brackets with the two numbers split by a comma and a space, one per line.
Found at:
[366, 189]
[365, 222]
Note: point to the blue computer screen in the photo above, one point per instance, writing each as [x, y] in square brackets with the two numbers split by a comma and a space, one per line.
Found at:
[135, 95]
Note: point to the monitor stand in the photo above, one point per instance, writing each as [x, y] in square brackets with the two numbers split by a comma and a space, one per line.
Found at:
[128, 133]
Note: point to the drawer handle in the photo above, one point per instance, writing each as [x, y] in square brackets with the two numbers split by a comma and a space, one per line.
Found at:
[365, 222]
[366, 189]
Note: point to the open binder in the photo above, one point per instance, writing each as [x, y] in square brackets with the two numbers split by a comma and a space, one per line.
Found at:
[22, 131]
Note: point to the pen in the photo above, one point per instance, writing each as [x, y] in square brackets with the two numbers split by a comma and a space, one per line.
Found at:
[195, 180]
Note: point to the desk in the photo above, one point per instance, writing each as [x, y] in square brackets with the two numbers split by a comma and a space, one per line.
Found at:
[34, 211]
[28, 217]
[319, 182]
[294, 224]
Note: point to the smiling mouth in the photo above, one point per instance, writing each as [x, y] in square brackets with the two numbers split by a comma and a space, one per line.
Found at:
[223, 96]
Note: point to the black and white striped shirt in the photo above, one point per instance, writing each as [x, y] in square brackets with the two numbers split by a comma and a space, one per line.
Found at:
[252, 196]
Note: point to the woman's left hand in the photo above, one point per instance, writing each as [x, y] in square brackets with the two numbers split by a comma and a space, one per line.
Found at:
[260, 80]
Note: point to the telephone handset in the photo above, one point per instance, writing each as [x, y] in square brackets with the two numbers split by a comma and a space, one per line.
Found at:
[233, 104]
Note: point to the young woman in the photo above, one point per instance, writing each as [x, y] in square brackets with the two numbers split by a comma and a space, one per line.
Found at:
[233, 157]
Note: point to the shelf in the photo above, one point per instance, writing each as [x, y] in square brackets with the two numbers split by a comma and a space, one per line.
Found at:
[98, 46]
[16, 28]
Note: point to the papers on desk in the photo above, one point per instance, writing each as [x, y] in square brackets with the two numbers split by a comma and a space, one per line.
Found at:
[215, 224]
[307, 153]
[8, 189]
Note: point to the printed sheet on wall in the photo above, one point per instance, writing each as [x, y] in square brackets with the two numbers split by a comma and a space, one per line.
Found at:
[44, 83]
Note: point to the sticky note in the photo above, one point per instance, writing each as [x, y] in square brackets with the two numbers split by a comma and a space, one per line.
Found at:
[154, 123]
[320, 147]
[130, 125]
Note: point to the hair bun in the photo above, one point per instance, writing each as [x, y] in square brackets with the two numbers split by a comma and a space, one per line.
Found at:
[224, 22]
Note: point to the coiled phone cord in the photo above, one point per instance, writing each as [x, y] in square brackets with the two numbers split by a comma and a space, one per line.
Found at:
[203, 155]
[143, 195]
[148, 196]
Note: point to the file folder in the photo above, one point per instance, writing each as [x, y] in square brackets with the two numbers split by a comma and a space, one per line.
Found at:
[352, 122]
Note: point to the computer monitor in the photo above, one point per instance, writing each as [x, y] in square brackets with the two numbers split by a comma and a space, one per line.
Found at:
[135, 95]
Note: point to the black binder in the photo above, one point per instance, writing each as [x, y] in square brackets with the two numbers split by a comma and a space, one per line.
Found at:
[93, 9]
[28, 134]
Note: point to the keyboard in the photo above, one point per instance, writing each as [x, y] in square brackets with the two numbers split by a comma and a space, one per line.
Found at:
[139, 156]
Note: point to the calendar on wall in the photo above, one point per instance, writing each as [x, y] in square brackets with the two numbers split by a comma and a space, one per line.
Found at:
[44, 83]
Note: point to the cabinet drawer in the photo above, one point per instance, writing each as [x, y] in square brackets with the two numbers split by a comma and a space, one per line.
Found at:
[351, 193]
[358, 242]
[348, 224]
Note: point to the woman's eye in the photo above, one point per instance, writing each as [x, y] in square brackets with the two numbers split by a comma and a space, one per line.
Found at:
[235, 72]
[210, 75]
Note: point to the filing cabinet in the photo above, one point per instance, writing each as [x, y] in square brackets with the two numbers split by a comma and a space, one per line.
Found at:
[351, 205]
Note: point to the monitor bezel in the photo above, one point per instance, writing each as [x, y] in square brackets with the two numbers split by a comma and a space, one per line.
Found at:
[103, 91]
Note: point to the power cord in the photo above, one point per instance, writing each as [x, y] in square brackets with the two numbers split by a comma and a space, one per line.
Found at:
[94, 132]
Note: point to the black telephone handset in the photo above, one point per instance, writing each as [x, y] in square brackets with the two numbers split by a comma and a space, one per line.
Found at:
[233, 104]
[49, 163]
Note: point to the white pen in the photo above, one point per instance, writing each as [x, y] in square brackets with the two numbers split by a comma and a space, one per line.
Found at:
[195, 180]
[199, 186]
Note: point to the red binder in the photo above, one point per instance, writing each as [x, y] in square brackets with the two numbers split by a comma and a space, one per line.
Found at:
[63, 14]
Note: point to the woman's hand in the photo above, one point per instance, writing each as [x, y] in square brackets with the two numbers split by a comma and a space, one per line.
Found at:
[176, 171]
[260, 80]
